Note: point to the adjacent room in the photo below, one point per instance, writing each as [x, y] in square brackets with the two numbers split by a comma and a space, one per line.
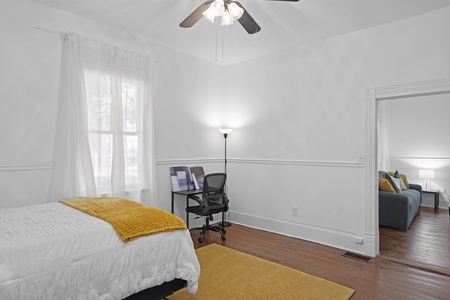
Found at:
[299, 103]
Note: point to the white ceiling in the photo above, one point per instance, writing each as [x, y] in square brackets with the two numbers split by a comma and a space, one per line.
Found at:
[284, 24]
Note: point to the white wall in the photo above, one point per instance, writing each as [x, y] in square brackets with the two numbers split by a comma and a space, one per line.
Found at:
[29, 78]
[301, 125]
[418, 139]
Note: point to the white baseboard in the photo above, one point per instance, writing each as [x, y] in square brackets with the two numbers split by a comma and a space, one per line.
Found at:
[325, 236]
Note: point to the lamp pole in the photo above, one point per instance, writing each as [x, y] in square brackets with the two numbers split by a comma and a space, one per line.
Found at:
[225, 133]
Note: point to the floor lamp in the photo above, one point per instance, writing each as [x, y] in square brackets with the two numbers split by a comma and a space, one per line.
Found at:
[225, 133]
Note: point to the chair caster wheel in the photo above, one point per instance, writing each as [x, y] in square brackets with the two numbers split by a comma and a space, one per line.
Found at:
[224, 238]
[200, 239]
[224, 231]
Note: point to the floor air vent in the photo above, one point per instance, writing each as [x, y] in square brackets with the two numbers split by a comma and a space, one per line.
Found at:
[357, 256]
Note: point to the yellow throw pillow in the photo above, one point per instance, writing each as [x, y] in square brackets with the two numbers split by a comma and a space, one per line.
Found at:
[405, 180]
[384, 185]
[402, 184]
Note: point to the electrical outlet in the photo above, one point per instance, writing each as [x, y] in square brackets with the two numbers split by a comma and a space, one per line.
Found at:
[295, 211]
[359, 240]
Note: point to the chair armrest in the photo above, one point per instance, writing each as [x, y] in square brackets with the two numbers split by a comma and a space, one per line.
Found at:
[197, 199]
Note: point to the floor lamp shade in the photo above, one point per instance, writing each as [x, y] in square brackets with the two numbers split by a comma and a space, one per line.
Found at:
[225, 131]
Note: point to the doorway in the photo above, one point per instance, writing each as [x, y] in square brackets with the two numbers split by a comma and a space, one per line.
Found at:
[425, 88]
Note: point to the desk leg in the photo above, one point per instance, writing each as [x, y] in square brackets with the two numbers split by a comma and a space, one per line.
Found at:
[436, 201]
[172, 202]
[187, 213]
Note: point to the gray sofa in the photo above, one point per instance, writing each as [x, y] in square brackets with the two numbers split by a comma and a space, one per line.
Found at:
[398, 210]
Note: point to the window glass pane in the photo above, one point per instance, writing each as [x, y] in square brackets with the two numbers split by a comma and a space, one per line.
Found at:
[129, 103]
[98, 91]
[131, 162]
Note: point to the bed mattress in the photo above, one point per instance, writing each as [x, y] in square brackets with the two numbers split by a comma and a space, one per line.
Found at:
[52, 251]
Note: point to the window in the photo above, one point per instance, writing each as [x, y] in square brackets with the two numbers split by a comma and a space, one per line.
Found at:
[104, 134]
[111, 124]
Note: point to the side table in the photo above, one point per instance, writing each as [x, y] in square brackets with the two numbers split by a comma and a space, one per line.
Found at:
[436, 197]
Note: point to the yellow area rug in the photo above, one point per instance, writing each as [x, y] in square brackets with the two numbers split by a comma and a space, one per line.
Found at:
[227, 274]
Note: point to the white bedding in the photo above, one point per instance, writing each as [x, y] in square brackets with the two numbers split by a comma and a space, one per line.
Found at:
[52, 251]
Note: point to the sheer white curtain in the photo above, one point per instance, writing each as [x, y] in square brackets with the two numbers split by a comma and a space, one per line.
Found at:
[104, 136]
[382, 138]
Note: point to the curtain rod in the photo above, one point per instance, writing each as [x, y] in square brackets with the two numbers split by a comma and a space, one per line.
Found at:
[63, 34]
[60, 33]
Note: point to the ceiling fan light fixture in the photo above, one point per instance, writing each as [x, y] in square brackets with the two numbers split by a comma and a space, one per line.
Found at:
[219, 7]
[227, 19]
[229, 10]
[215, 9]
[235, 11]
[209, 14]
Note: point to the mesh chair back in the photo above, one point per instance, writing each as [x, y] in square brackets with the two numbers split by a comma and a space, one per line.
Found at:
[213, 187]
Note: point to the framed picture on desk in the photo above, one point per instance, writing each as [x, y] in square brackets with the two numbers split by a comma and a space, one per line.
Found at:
[197, 175]
[181, 179]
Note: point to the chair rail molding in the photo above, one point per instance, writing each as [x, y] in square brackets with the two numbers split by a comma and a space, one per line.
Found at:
[187, 161]
[348, 164]
[27, 166]
[345, 164]
[372, 96]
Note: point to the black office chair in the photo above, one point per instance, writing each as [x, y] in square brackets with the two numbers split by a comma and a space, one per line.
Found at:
[213, 201]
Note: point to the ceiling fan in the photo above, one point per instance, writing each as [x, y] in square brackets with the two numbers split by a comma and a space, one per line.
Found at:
[229, 10]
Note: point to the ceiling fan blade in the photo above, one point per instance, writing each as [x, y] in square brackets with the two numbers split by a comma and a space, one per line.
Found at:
[247, 21]
[195, 15]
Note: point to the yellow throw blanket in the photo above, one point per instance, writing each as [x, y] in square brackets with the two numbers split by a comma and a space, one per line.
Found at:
[130, 219]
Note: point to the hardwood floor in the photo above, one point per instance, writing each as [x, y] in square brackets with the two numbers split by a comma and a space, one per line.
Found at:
[426, 244]
[411, 265]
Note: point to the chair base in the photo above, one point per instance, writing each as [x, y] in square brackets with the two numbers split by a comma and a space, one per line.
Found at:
[225, 224]
[208, 227]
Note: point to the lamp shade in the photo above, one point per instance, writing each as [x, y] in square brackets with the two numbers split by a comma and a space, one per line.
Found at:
[210, 14]
[218, 7]
[227, 19]
[426, 174]
[235, 11]
[225, 130]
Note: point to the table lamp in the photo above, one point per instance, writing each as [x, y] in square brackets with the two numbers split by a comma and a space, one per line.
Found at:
[427, 175]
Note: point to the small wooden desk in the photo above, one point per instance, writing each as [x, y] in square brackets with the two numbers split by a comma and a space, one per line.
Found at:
[436, 197]
[187, 194]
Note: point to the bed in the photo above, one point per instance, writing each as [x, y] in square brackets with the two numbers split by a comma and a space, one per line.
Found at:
[53, 251]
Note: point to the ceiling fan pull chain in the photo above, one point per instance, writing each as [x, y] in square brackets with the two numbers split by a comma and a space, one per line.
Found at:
[216, 41]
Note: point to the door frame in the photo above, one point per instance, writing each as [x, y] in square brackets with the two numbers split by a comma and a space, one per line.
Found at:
[372, 96]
